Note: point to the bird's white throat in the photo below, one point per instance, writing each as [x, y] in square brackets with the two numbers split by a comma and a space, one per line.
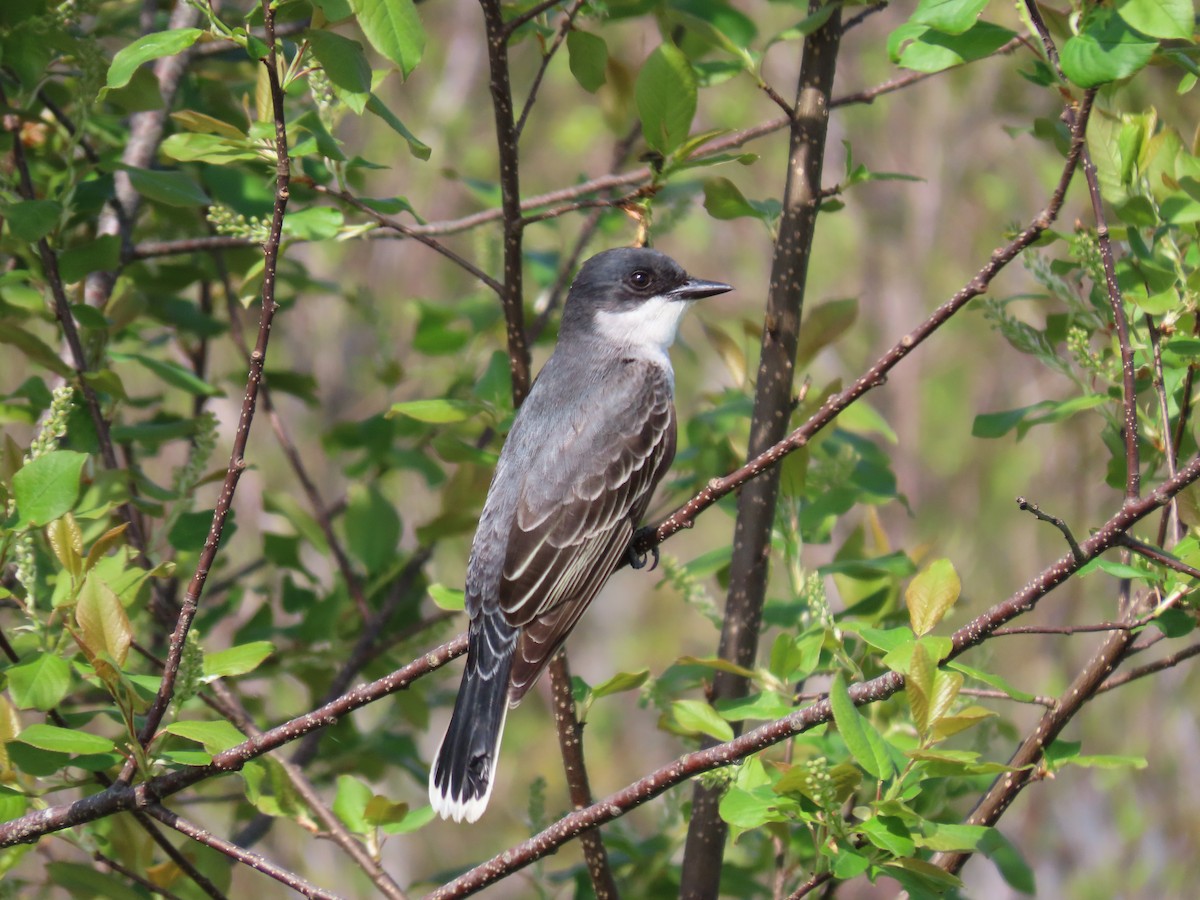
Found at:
[648, 328]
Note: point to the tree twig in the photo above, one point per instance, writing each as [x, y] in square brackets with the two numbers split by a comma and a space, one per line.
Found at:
[1036, 511]
[237, 462]
[246, 857]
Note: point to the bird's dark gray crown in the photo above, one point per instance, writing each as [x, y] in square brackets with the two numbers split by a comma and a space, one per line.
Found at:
[621, 279]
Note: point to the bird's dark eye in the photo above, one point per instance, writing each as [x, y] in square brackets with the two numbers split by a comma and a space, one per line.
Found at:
[640, 279]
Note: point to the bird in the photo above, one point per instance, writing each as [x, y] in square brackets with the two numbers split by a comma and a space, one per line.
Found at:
[593, 438]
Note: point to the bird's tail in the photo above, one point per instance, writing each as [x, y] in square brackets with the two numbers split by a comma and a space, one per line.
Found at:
[464, 771]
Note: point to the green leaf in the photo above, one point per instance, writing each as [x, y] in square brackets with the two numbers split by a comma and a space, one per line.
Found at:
[748, 809]
[171, 188]
[948, 16]
[343, 61]
[931, 594]
[918, 686]
[851, 726]
[64, 740]
[587, 55]
[101, 617]
[350, 804]
[889, 834]
[696, 716]
[210, 148]
[372, 527]
[48, 486]
[394, 29]
[415, 819]
[621, 682]
[991, 680]
[438, 412]
[993, 425]
[665, 94]
[926, 50]
[418, 149]
[99, 254]
[946, 726]
[1008, 860]
[40, 682]
[171, 372]
[447, 598]
[237, 660]
[151, 46]
[824, 323]
[1165, 19]
[724, 200]
[214, 736]
[316, 223]
[32, 220]
[1106, 50]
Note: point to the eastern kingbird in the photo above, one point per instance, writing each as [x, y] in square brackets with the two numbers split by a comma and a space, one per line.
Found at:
[585, 452]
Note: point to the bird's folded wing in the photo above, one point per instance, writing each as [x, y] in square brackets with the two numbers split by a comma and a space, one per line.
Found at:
[575, 520]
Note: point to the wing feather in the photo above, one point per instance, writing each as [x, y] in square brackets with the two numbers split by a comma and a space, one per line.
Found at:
[573, 522]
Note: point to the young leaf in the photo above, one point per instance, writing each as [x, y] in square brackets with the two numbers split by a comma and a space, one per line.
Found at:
[343, 61]
[621, 682]
[450, 599]
[949, 16]
[931, 594]
[665, 93]
[101, 617]
[350, 804]
[67, 543]
[437, 412]
[918, 685]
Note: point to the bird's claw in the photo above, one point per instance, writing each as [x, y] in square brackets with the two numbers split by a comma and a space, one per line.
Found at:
[636, 559]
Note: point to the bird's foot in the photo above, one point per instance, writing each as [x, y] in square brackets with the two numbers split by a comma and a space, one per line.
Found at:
[636, 558]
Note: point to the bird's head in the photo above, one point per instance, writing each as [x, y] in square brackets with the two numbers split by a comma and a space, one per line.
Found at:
[632, 296]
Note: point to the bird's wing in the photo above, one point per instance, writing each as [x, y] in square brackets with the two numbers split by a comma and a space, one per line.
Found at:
[575, 518]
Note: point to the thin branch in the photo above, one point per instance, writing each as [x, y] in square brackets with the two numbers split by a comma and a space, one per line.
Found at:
[559, 37]
[809, 885]
[510, 197]
[412, 232]
[210, 244]
[529, 15]
[1129, 430]
[880, 688]
[237, 462]
[133, 876]
[1159, 665]
[236, 853]
[570, 743]
[1036, 512]
[1164, 410]
[121, 797]
[1163, 559]
[990, 694]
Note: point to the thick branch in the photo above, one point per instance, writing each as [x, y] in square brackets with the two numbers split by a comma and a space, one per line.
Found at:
[704, 851]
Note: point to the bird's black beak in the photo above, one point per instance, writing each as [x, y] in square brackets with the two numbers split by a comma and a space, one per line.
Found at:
[698, 288]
